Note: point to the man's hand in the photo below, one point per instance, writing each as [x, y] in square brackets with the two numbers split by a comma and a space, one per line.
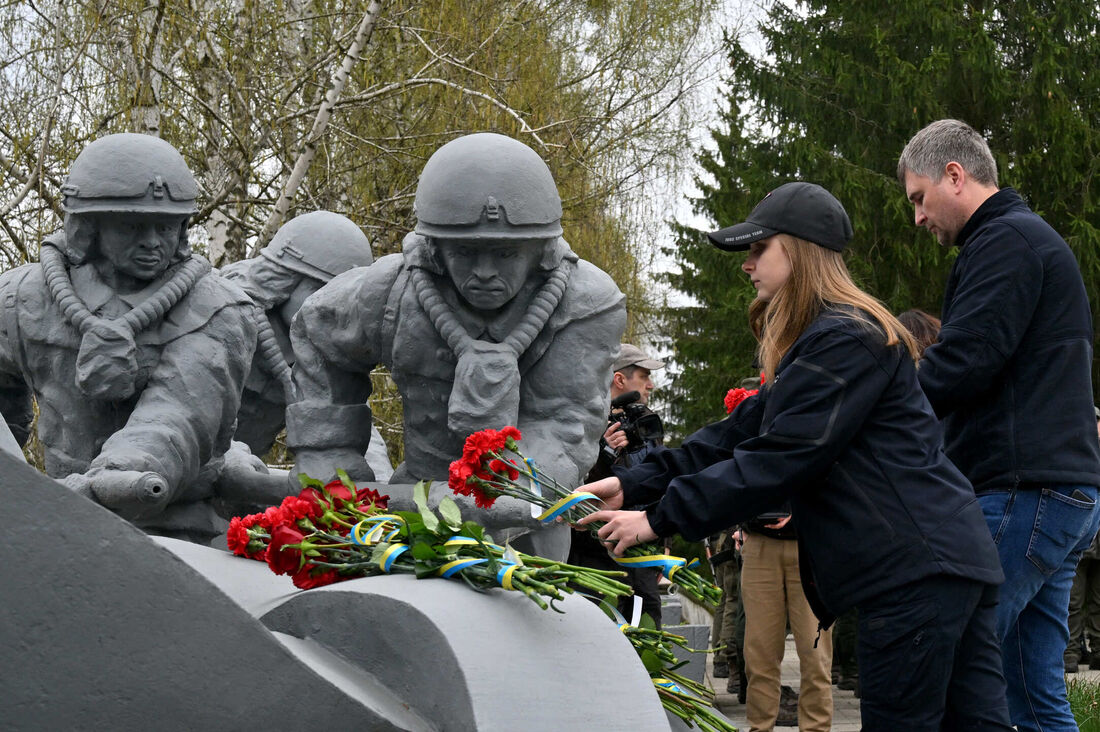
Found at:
[623, 529]
[614, 436]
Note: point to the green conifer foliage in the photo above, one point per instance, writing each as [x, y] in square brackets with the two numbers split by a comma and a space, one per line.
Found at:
[839, 90]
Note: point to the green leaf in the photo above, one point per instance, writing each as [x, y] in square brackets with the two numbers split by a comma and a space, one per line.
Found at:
[346, 480]
[306, 482]
[450, 512]
[646, 622]
[420, 497]
[415, 522]
[651, 661]
[424, 551]
[424, 569]
[473, 530]
[608, 609]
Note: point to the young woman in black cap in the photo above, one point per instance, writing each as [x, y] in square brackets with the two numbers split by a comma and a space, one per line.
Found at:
[841, 430]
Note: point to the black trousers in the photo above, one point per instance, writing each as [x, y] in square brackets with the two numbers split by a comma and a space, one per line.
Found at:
[929, 658]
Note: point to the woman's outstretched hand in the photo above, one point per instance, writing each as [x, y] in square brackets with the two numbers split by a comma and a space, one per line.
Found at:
[624, 529]
[608, 490]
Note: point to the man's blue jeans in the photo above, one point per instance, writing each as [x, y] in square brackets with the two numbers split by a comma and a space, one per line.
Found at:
[1040, 534]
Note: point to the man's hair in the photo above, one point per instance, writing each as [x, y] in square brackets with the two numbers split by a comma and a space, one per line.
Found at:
[628, 371]
[945, 141]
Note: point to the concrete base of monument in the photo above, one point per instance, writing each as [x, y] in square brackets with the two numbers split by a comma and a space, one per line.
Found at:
[104, 627]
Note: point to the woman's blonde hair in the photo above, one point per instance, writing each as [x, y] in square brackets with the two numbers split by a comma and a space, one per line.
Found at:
[819, 278]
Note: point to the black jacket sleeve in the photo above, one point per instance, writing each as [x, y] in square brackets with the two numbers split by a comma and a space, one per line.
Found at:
[998, 281]
[646, 482]
[817, 404]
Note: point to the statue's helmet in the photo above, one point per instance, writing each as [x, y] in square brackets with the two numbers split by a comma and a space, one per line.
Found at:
[319, 244]
[487, 186]
[129, 173]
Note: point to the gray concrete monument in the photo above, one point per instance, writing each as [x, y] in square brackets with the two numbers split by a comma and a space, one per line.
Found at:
[103, 627]
[306, 252]
[134, 351]
[487, 318]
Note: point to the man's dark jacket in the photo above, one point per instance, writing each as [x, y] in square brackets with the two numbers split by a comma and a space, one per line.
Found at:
[845, 433]
[1011, 373]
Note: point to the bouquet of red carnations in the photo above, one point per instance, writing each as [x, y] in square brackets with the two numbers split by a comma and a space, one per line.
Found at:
[492, 466]
[338, 531]
[328, 533]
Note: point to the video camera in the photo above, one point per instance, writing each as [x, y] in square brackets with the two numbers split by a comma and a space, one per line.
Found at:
[639, 423]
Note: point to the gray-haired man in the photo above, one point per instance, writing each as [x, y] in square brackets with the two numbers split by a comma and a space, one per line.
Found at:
[1011, 378]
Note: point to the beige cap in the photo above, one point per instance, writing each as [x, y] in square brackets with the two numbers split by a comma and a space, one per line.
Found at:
[633, 356]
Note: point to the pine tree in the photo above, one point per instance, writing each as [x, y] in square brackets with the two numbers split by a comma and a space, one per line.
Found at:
[841, 87]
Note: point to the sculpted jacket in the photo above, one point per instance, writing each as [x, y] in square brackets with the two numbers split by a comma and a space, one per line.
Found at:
[191, 367]
[845, 434]
[372, 315]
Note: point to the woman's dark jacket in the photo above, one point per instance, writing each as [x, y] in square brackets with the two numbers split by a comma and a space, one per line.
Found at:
[845, 433]
[1012, 372]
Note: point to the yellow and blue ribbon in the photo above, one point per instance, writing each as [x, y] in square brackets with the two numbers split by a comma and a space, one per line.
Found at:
[668, 684]
[536, 487]
[564, 504]
[504, 575]
[369, 531]
[667, 563]
[390, 555]
[458, 565]
[459, 541]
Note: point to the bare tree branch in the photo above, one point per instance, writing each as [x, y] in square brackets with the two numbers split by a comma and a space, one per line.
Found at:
[290, 188]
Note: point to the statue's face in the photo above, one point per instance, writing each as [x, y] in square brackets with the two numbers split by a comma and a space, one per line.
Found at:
[489, 273]
[140, 245]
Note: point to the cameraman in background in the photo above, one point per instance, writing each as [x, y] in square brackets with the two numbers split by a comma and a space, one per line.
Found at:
[633, 430]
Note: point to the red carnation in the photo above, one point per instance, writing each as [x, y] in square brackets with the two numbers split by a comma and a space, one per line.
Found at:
[281, 558]
[295, 508]
[736, 396]
[484, 497]
[237, 537]
[252, 519]
[458, 476]
[273, 516]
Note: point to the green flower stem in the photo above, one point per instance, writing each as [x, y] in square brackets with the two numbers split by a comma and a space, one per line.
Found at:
[690, 582]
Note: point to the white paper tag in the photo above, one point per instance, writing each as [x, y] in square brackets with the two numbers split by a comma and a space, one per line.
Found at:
[536, 488]
[511, 556]
[636, 611]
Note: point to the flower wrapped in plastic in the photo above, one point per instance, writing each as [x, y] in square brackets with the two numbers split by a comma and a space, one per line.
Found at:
[492, 465]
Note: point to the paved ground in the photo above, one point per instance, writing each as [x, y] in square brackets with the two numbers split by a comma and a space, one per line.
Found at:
[845, 705]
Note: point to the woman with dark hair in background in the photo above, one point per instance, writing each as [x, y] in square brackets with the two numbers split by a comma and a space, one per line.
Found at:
[924, 327]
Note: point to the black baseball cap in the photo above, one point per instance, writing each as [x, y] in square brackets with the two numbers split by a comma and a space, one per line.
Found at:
[805, 210]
